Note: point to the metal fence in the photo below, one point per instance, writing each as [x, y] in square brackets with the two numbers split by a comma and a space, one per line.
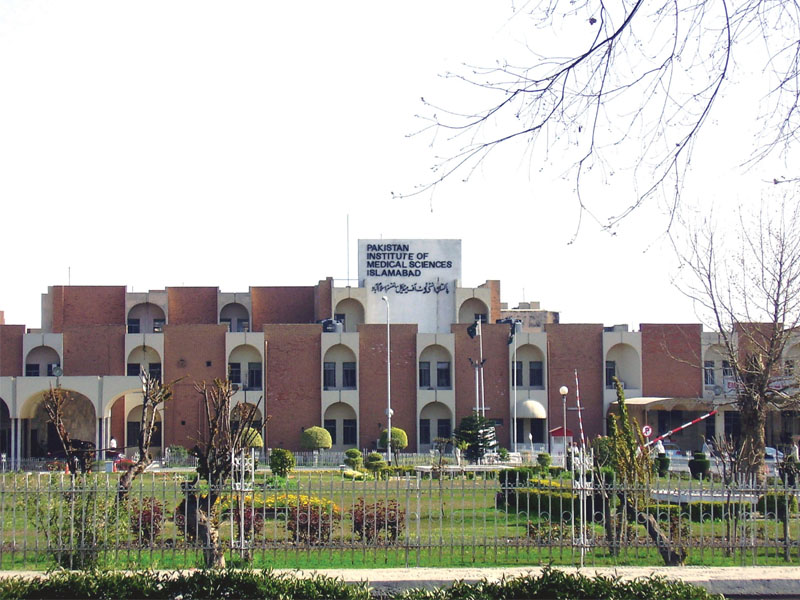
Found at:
[452, 517]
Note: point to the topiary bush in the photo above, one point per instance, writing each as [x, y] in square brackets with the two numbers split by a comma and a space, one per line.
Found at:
[251, 438]
[281, 462]
[374, 462]
[543, 459]
[354, 459]
[316, 438]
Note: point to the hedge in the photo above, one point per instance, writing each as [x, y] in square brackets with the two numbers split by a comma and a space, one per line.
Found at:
[775, 503]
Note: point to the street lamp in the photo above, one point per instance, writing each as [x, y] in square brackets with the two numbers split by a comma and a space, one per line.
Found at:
[389, 410]
[563, 390]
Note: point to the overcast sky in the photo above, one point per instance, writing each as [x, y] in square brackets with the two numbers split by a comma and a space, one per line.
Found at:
[155, 144]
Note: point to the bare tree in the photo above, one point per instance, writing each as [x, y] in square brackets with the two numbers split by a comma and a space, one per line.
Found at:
[214, 454]
[78, 454]
[154, 396]
[750, 295]
[623, 88]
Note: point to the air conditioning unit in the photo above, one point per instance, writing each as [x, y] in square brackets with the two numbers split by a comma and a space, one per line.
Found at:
[717, 390]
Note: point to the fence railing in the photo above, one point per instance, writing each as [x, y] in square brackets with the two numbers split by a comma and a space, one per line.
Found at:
[453, 517]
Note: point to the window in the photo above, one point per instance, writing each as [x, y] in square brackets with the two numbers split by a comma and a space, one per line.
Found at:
[349, 375]
[481, 317]
[341, 318]
[235, 372]
[497, 422]
[536, 374]
[517, 380]
[443, 428]
[242, 326]
[226, 322]
[349, 435]
[158, 325]
[708, 372]
[611, 372]
[31, 370]
[154, 369]
[727, 370]
[50, 368]
[424, 374]
[520, 431]
[328, 375]
[254, 376]
[443, 374]
[133, 326]
[330, 426]
[788, 367]
[424, 431]
[132, 370]
[733, 424]
[711, 428]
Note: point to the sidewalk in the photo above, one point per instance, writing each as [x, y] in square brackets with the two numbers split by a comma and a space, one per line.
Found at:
[733, 582]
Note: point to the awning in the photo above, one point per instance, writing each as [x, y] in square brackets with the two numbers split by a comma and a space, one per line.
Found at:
[558, 432]
[656, 403]
[531, 409]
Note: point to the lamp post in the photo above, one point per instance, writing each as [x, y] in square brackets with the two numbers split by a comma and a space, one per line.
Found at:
[389, 410]
[563, 390]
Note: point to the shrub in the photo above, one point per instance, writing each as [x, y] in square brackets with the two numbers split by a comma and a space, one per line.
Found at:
[775, 504]
[253, 519]
[543, 459]
[281, 462]
[708, 510]
[382, 516]
[315, 438]
[503, 454]
[516, 477]
[357, 476]
[374, 462]
[77, 521]
[177, 452]
[354, 459]
[312, 523]
[147, 520]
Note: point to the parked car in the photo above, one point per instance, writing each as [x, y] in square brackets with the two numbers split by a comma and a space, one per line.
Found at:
[672, 449]
[772, 455]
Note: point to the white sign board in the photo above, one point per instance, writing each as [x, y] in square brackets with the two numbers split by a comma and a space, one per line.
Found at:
[418, 277]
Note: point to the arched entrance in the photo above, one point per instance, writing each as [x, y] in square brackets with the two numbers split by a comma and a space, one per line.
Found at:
[341, 422]
[39, 435]
[435, 421]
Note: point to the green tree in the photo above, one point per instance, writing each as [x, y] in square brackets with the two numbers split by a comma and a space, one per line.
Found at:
[478, 433]
[399, 440]
[281, 462]
[316, 438]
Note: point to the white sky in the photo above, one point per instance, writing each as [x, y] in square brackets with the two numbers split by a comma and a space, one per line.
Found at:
[155, 144]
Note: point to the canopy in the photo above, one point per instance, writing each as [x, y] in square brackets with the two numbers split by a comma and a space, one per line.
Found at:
[657, 403]
[531, 409]
[557, 432]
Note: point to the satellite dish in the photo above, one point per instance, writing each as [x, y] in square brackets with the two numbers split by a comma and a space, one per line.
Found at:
[57, 372]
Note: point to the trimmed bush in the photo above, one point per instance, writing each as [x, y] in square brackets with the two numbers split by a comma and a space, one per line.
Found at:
[775, 503]
[516, 477]
[312, 523]
[374, 462]
[544, 460]
[354, 459]
[252, 439]
[381, 520]
[316, 438]
[281, 462]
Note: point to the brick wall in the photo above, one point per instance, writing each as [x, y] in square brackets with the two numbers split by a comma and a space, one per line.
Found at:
[85, 306]
[196, 353]
[274, 305]
[293, 401]
[118, 413]
[323, 299]
[192, 305]
[372, 381]
[94, 350]
[570, 347]
[495, 307]
[11, 350]
[671, 360]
